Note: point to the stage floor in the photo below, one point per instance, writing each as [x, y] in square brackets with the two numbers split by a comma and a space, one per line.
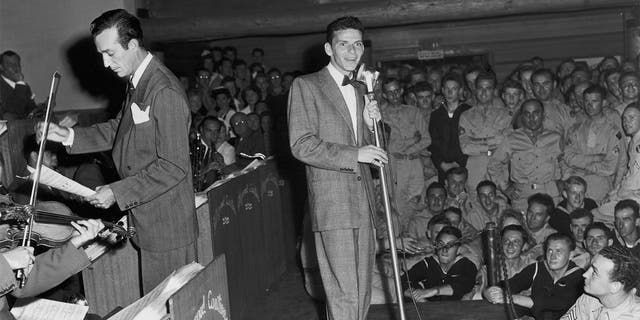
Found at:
[459, 310]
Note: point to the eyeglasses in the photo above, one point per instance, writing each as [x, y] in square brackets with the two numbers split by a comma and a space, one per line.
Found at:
[203, 76]
[237, 123]
[275, 77]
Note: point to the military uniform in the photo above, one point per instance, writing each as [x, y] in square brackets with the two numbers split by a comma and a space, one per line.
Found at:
[481, 130]
[408, 138]
[478, 218]
[629, 187]
[557, 116]
[533, 167]
[592, 151]
[429, 170]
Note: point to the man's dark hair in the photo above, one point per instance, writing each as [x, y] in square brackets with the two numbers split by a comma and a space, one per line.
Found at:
[255, 65]
[543, 199]
[230, 48]
[257, 50]
[8, 53]
[438, 219]
[543, 71]
[454, 210]
[560, 236]
[632, 105]
[128, 26]
[228, 79]
[422, 86]
[274, 70]
[512, 84]
[517, 228]
[435, 185]
[601, 226]
[452, 77]
[628, 74]
[581, 213]
[628, 204]
[485, 76]
[626, 267]
[220, 90]
[239, 62]
[249, 88]
[390, 80]
[210, 119]
[30, 145]
[450, 230]
[486, 183]
[595, 89]
[344, 23]
[457, 171]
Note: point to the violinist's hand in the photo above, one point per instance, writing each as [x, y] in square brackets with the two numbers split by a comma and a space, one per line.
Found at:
[85, 231]
[19, 257]
[56, 133]
[103, 198]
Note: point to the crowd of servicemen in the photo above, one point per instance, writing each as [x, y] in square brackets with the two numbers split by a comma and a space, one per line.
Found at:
[550, 157]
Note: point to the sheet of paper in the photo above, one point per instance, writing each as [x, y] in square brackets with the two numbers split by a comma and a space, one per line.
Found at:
[153, 304]
[44, 309]
[56, 180]
[3, 126]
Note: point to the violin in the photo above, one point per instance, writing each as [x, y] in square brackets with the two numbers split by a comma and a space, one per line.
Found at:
[51, 227]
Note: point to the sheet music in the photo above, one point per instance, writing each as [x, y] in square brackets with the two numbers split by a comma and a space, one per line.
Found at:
[153, 304]
[3, 126]
[56, 180]
[45, 309]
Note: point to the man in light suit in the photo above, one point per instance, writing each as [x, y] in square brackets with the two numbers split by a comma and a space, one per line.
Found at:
[149, 143]
[330, 128]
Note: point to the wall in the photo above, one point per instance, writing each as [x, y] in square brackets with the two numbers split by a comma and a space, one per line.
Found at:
[507, 40]
[45, 34]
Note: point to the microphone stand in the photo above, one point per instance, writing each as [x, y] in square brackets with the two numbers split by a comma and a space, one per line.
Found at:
[370, 78]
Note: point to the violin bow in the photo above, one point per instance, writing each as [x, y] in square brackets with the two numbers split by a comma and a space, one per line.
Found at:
[26, 239]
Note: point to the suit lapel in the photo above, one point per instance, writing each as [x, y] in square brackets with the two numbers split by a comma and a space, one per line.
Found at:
[138, 95]
[334, 94]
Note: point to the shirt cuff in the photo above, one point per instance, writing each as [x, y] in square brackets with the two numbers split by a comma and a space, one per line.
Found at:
[69, 141]
[21, 82]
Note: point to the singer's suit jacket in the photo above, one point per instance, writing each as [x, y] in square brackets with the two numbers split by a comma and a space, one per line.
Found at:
[322, 136]
[152, 159]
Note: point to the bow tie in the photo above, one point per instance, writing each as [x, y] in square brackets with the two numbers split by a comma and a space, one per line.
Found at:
[351, 81]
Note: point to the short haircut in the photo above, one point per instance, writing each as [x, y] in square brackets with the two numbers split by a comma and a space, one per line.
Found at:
[600, 226]
[486, 183]
[343, 23]
[628, 204]
[560, 236]
[8, 53]
[632, 105]
[457, 171]
[627, 75]
[220, 90]
[450, 230]
[454, 210]
[210, 119]
[250, 88]
[580, 68]
[510, 213]
[438, 219]
[575, 180]
[230, 48]
[388, 81]
[260, 50]
[274, 70]
[239, 62]
[626, 267]
[610, 72]
[517, 228]
[595, 88]
[422, 86]
[532, 100]
[581, 213]
[543, 71]
[128, 26]
[512, 84]
[452, 77]
[436, 185]
[543, 199]
[486, 76]
[228, 79]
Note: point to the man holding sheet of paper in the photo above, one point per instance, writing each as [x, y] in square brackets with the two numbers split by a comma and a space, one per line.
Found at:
[150, 148]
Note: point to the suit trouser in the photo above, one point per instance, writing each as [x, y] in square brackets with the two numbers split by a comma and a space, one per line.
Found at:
[345, 258]
[156, 266]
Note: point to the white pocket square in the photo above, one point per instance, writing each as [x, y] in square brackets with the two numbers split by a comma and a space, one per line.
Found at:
[139, 114]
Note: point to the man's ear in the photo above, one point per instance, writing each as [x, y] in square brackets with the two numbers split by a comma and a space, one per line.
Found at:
[133, 44]
[327, 49]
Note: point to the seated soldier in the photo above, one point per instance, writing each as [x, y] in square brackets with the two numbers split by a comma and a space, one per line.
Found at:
[580, 219]
[48, 269]
[573, 195]
[627, 222]
[610, 288]
[629, 187]
[486, 208]
[444, 276]
[555, 283]
[456, 184]
[597, 236]
[472, 245]
[418, 224]
[248, 142]
[540, 206]
[629, 84]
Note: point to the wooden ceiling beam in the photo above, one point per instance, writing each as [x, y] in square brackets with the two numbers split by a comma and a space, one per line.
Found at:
[375, 13]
